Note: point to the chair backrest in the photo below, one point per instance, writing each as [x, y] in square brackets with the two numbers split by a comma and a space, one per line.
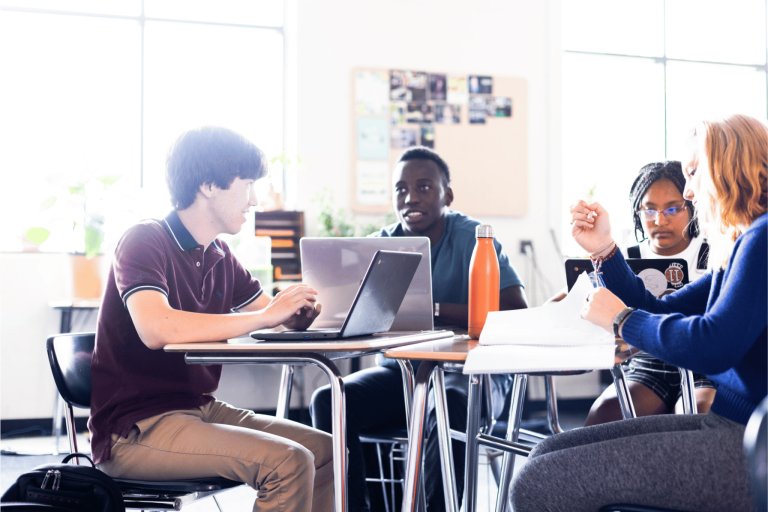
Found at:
[70, 358]
[756, 448]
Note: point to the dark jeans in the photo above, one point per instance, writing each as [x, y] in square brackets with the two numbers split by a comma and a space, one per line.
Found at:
[375, 400]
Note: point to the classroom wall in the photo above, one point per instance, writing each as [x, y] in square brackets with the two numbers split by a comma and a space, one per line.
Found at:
[497, 37]
[487, 37]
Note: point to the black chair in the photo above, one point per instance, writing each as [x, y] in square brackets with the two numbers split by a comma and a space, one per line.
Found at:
[70, 358]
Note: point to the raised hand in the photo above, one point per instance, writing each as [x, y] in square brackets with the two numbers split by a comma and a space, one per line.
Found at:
[590, 226]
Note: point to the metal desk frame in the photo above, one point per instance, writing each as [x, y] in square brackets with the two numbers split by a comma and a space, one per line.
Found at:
[433, 370]
[207, 354]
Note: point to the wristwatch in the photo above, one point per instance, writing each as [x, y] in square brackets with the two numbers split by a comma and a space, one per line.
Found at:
[437, 309]
[619, 319]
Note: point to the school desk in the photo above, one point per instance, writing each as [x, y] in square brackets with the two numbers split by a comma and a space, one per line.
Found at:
[450, 354]
[318, 353]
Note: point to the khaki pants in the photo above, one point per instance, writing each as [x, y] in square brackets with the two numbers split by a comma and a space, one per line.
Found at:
[289, 464]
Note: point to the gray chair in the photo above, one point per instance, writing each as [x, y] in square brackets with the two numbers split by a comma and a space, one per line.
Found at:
[70, 358]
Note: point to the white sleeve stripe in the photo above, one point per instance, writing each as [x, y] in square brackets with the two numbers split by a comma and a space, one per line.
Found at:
[251, 299]
[140, 287]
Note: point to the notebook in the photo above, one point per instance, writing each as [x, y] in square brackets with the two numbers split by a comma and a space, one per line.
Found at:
[375, 305]
[548, 338]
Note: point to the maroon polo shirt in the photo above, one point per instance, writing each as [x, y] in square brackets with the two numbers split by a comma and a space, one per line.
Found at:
[130, 381]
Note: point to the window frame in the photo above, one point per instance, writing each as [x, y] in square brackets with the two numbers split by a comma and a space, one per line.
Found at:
[141, 19]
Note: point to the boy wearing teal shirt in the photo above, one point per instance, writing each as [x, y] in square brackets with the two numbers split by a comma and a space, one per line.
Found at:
[422, 196]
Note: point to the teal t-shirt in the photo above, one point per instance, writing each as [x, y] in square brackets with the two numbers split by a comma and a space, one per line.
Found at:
[451, 257]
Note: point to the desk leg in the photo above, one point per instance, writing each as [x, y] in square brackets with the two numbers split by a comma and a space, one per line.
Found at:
[622, 392]
[406, 369]
[513, 432]
[444, 438]
[552, 418]
[474, 408]
[413, 473]
[284, 395]
[688, 391]
[339, 429]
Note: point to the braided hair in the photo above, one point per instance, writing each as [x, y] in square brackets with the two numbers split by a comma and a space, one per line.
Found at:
[670, 170]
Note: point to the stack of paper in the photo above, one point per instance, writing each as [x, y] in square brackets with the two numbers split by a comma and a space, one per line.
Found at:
[549, 338]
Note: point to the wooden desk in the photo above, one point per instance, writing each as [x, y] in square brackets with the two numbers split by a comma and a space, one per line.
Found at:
[435, 356]
[320, 354]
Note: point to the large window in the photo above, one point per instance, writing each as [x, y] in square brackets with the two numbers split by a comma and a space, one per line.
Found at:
[637, 75]
[94, 88]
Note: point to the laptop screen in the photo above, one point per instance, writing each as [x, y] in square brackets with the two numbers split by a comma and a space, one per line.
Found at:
[335, 267]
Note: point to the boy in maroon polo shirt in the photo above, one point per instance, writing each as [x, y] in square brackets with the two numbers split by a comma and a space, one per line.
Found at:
[172, 281]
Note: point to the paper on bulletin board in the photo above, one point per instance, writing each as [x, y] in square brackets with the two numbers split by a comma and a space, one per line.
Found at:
[372, 182]
[458, 91]
[372, 93]
[372, 138]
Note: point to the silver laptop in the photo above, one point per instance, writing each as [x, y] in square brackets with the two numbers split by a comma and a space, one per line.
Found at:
[335, 267]
[375, 304]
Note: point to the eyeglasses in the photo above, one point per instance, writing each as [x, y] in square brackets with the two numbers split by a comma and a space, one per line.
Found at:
[668, 212]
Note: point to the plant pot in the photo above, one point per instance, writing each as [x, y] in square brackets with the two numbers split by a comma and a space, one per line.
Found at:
[86, 276]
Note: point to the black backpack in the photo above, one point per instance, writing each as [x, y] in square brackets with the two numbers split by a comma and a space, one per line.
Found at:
[76, 488]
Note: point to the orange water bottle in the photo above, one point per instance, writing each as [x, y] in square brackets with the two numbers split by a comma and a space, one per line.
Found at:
[483, 280]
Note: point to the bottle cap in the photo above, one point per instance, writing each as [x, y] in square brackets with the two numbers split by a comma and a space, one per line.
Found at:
[484, 231]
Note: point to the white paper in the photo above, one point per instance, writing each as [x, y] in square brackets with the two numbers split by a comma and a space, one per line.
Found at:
[531, 359]
[557, 324]
[372, 93]
[372, 182]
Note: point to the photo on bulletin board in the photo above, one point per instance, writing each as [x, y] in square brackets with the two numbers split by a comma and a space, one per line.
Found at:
[372, 138]
[499, 106]
[371, 93]
[437, 87]
[447, 114]
[397, 111]
[480, 84]
[458, 92]
[372, 182]
[428, 135]
[419, 113]
[482, 134]
[477, 110]
[402, 138]
[408, 85]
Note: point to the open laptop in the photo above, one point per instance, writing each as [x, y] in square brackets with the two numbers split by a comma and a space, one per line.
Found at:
[335, 267]
[375, 305]
[661, 276]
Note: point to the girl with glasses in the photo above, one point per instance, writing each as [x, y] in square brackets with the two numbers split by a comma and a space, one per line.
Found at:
[666, 228]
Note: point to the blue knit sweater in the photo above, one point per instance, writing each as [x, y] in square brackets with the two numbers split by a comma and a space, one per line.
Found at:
[717, 325]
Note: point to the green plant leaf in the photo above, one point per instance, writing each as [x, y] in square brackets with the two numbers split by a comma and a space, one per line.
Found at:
[37, 235]
[110, 179]
[93, 240]
[77, 190]
[47, 203]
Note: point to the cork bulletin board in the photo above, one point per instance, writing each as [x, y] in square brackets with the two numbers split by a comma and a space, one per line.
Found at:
[477, 123]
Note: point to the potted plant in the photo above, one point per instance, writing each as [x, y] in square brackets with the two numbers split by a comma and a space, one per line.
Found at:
[76, 213]
[339, 222]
